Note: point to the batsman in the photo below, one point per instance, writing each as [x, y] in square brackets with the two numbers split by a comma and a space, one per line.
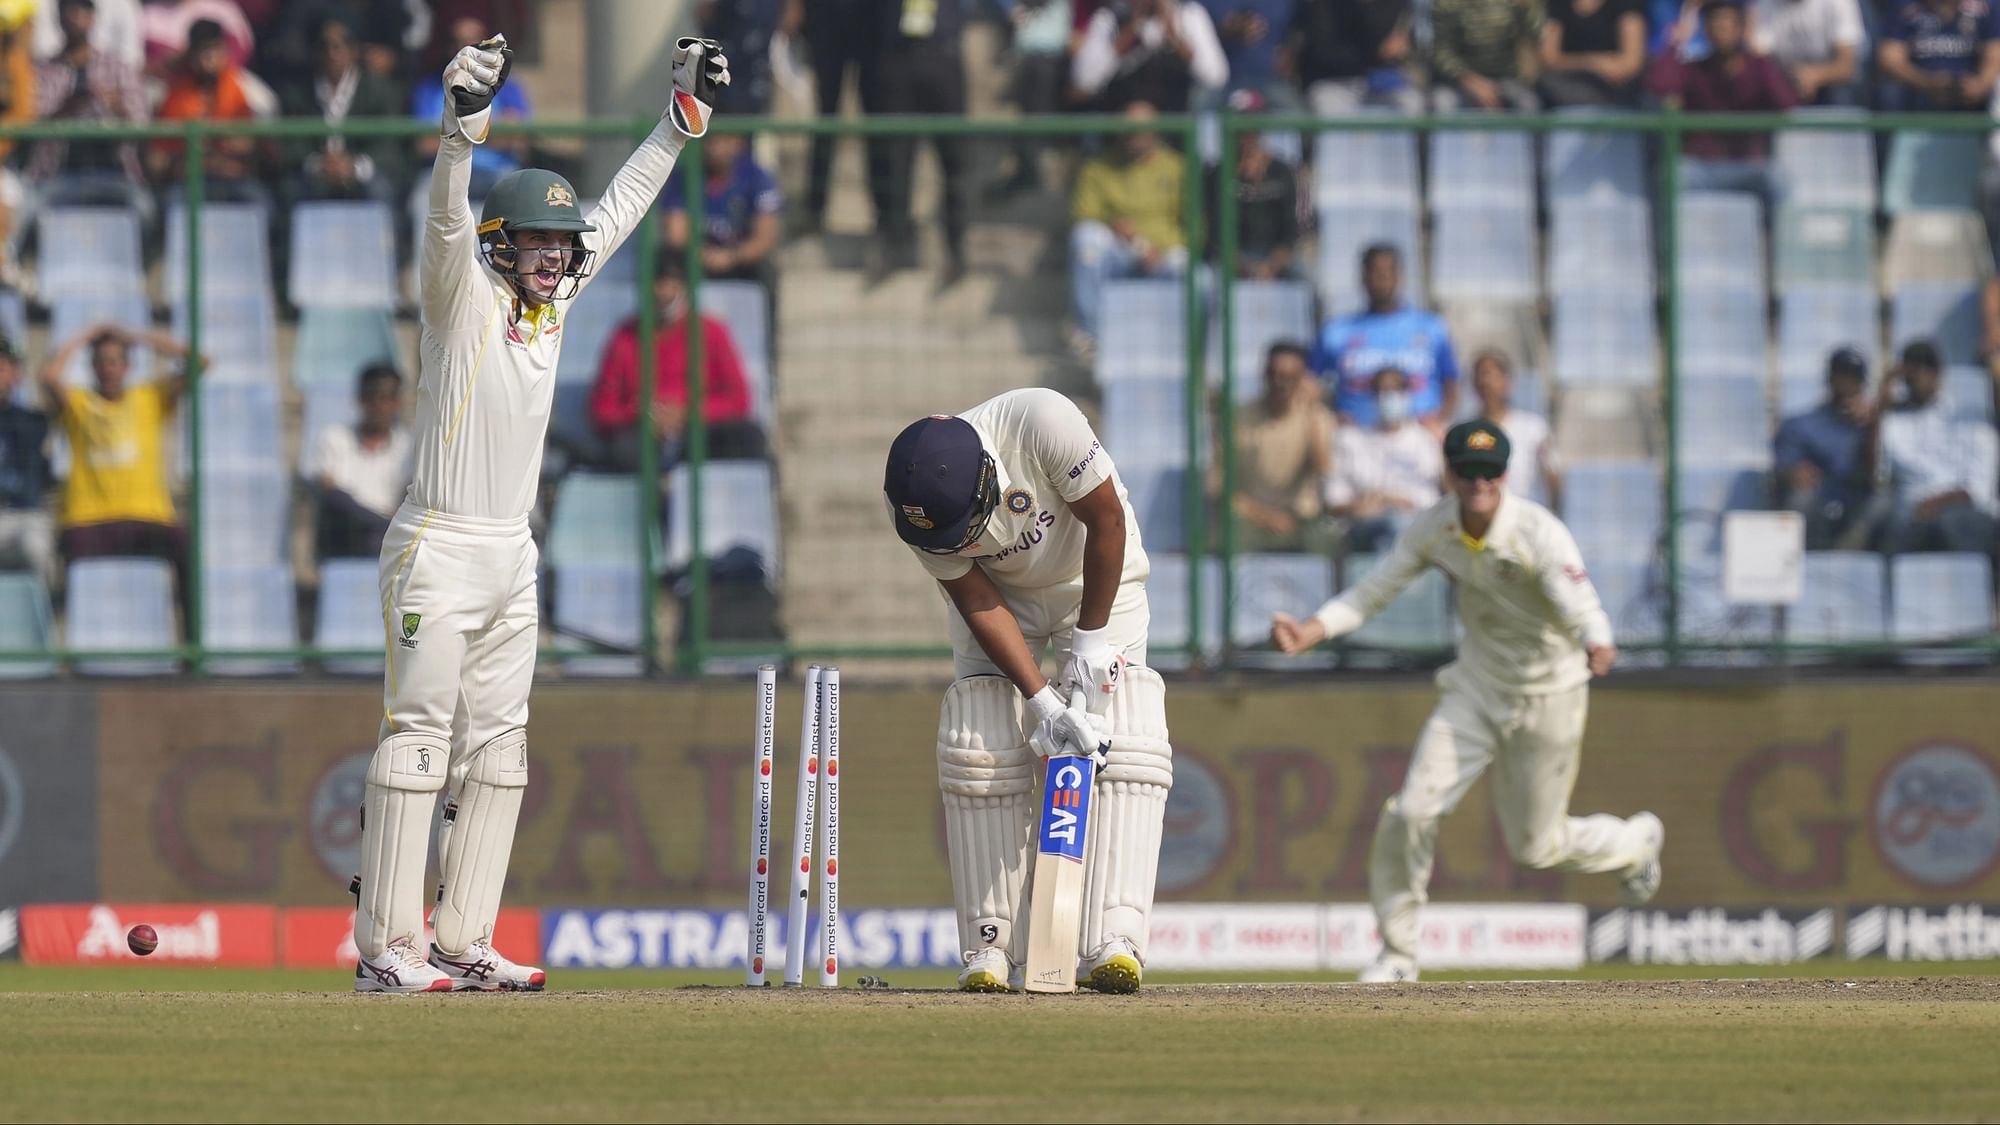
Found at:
[1015, 508]
[458, 567]
[1514, 700]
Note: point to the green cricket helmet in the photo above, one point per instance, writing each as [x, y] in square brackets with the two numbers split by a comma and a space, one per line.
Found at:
[533, 199]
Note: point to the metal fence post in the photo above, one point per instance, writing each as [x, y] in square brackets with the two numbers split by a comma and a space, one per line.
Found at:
[1192, 216]
[196, 180]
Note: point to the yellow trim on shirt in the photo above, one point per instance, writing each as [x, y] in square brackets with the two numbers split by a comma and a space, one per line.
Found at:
[472, 384]
[1471, 544]
[388, 623]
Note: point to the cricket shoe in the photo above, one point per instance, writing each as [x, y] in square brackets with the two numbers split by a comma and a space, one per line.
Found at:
[1113, 968]
[400, 969]
[482, 968]
[1638, 883]
[986, 970]
[1389, 968]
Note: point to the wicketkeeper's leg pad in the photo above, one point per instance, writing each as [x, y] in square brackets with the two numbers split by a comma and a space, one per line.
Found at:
[478, 839]
[987, 776]
[1127, 813]
[404, 777]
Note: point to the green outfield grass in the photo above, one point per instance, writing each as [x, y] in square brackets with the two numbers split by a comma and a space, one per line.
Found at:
[1840, 1041]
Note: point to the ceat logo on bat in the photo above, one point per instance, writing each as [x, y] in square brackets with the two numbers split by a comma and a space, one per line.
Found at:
[1066, 807]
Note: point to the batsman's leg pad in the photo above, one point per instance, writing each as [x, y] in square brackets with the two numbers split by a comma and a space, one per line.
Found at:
[404, 777]
[987, 776]
[478, 840]
[1127, 813]
[1399, 875]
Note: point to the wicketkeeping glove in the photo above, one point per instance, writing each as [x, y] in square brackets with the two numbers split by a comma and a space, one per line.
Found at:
[475, 75]
[700, 72]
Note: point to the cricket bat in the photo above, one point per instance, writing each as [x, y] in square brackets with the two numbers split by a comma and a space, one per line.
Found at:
[1055, 913]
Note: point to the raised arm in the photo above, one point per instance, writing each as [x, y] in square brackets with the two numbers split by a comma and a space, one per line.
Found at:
[448, 262]
[50, 374]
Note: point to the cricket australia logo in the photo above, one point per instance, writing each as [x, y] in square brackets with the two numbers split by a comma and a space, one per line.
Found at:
[559, 196]
[410, 623]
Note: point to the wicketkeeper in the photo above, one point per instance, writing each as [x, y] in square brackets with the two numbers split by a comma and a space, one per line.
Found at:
[1015, 508]
[1514, 699]
[458, 566]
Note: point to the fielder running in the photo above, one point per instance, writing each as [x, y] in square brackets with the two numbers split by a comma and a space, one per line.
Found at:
[1514, 699]
[458, 568]
[1015, 508]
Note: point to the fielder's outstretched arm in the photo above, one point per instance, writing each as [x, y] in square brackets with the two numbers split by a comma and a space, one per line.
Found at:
[1352, 609]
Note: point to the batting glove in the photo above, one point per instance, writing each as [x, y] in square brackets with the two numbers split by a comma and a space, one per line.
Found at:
[475, 75]
[1093, 669]
[1066, 729]
[701, 70]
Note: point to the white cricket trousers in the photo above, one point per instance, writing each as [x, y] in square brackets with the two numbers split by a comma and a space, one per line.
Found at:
[1532, 743]
[1049, 615]
[459, 605]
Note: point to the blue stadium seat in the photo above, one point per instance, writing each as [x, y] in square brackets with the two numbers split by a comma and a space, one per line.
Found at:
[334, 344]
[1724, 421]
[235, 252]
[743, 307]
[739, 509]
[1940, 598]
[1948, 314]
[1722, 242]
[25, 625]
[588, 326]
[1936, 247]
[1824, 246]
[1614, 510]
[121, 605]
[1969, 392]
[239, 335]
[244, 515]
[1158, 498]
[241, 427]
[1722, 334]
[1275, 583]
[1577, 165]
[1345, 230]
[1167, 600]
[1484, 253]
[1634, 595]
[1481, 169]
[1417, 621]
[599, 604]
[72, 315]
[1827, 167]
[1605, 337]
[90, 252]
[595, 518]
[1597, 244]
[1705, 493]
[1266, 312]
[1371, 167]
[248, 607]
[344, 254]
[350, 615]
[1844, 600]
[1708, 618]
[1933, 170]
[1813, 321]
[1142, 333]
[1145, 423]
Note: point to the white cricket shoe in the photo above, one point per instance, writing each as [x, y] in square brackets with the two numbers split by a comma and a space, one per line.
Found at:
[482, 968]
[1638, 883]
[1113, 968]
[987, 970]
[400, 969]
[1389, 968]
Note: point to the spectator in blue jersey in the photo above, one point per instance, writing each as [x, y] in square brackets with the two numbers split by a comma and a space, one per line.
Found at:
[499, 155]
[1821, 459]
[1390, 333]
[1940, 54]
[741, 205]
[1253, 34]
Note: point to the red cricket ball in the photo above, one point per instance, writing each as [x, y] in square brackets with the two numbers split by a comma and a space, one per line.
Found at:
[143, 939]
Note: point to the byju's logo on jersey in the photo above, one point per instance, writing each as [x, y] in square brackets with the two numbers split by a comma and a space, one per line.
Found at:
[410, 623]
[1066, 807]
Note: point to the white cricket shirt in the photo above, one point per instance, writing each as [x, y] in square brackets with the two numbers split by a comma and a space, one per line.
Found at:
[1045, 455]
[487, 366]
[1526, 602]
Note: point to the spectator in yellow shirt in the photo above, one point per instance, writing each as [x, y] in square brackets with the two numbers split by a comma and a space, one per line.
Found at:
[116, 501]
[1127, 209]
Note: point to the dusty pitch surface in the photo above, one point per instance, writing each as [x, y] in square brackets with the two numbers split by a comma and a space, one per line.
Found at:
[1907, 1048]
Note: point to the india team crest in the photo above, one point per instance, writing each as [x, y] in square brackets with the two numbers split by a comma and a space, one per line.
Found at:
[1019, 500]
